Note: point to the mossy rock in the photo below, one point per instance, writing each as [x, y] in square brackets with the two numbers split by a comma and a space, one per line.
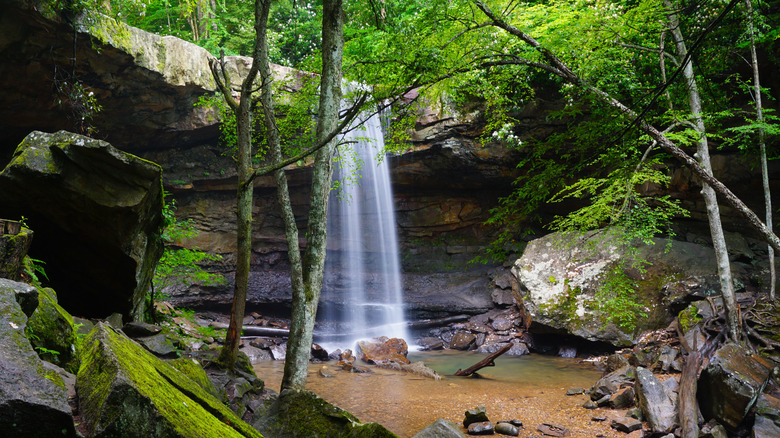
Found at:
[126, 391]
[299, 414]
[192, 369]
[52, 333]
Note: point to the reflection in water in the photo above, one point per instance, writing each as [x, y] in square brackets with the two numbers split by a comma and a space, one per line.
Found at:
[529, 388]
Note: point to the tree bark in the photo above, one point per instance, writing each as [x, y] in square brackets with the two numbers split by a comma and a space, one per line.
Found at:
[305, 301]
[710, 200]
[244, 193]
[761, 143]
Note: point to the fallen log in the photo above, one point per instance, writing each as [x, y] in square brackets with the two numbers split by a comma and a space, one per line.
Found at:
[486, 362]
[425, 323]
[253, 330]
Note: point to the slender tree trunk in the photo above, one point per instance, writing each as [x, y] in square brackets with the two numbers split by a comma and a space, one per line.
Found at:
[305, 301]
[710, 199]
[244, 193]
[761, 143]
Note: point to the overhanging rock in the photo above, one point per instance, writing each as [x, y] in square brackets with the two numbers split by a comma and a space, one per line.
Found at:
[97, 214]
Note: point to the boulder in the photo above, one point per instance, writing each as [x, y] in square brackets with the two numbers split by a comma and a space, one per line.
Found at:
[730, 384]
[462, 340]
[658, 409]
[476, 415]
[303, 414]
[13, 249]
[441, 429]
[97, 214]
[33, 399]
[122, 387]
[559, 274]
[382, 349]
[52, 332]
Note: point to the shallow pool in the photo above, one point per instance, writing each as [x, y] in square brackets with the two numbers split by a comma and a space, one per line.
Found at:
[528, 388]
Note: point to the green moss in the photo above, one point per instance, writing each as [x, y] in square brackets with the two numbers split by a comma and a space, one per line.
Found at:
[123, 389]
[52, 332]
[192, 369]
[301, 414]
[688, 318]
[54, 377]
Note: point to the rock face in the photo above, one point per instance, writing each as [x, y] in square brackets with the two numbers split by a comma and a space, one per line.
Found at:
[97, 215]
[122, 387]
[13, 249]
[559, 275]
[33, 400]
[730, 384]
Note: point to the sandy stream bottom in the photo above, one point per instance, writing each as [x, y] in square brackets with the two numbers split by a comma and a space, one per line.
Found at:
[529, 388]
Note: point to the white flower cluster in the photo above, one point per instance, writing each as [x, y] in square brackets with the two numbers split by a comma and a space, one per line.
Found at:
[506, 135]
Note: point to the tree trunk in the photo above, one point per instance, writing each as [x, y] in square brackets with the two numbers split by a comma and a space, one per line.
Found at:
[244, 193]
[761, 143]
[486, 362]
[304, 308]
[710, 199]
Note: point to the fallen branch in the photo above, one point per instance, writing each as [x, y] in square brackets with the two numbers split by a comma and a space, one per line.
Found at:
[252, 330]
[425, 323]
[486, 362]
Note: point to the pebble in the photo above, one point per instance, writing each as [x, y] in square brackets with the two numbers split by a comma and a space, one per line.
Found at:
[575, 391]
[481, 428]
[507, 429]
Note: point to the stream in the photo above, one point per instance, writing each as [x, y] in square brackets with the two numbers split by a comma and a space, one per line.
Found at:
[528, 388]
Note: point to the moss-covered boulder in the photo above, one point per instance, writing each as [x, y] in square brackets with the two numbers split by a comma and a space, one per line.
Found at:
[52, 333]
[13, 249]
[299, 414]
[126, 391]
[33, 400]
[97, 215]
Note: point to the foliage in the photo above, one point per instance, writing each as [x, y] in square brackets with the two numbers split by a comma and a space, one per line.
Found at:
[180, 265]
[33, 268]
[688, 318]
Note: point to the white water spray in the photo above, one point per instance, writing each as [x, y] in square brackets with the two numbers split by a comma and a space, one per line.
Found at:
[363, 262]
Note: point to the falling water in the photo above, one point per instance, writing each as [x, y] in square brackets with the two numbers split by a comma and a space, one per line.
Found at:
[363, 263]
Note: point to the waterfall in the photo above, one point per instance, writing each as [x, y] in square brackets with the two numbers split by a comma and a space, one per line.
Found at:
[363, 265]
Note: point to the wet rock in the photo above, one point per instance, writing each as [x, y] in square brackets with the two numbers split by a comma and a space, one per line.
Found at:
[590, 404]
[279, 352]
[507, 429]
[666, 359]
[335, 354]
[502, 323]
[382, 349]
[478, 414]
[730, 383]
[160, 344]
[325, 372]
[139, 329]
[616, 361]
[115, 320]
[552, 429]
[319, 353]
[626, 424]
[609, 384]
[481, 428]
[658, 408]
[347, 356]
[97, 212]
[575, 391]
[441, 429]
[462, 341]
[713, 430]
[31, 403]
[566, 351]
[598, 418]
[767, 422]
[430, 343]
[13, 250]
[623, 399]
[518, 349]
[490, 348]
[765, 428]
[256, 354]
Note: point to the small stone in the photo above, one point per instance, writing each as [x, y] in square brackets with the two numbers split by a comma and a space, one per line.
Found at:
[325, 372]
[604, 401]
[515, 423]
[476, 415]
[481, 428]
[634, 413]
[598, 418]
[507, 429]
[137, 329]
[626, 424]
[552, 429]
[590, 404]
[575, 391]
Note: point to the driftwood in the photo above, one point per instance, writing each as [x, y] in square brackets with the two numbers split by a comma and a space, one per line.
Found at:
[425, 323]
[253, 330]
[486, 362]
